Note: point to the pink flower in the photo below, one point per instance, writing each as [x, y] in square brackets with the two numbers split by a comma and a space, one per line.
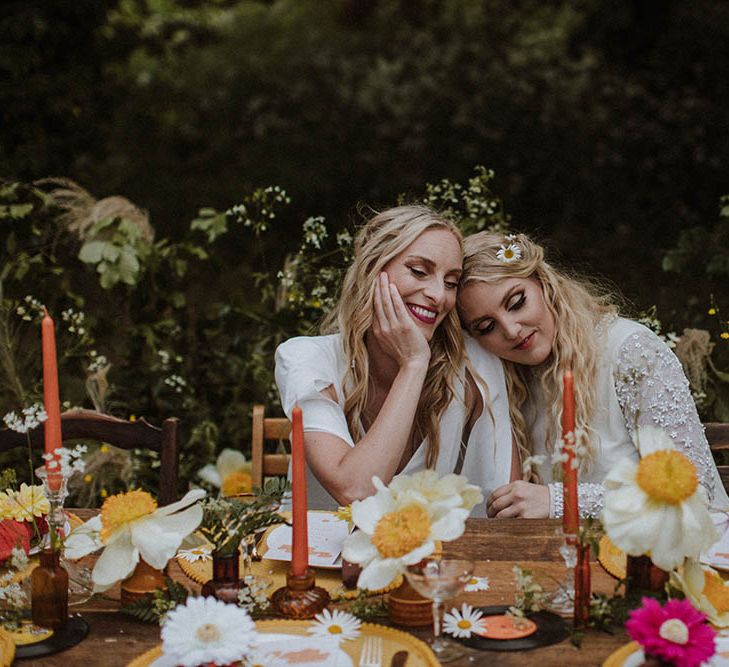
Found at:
[676, 633]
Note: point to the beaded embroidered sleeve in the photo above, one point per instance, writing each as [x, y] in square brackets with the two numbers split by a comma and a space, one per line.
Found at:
[652, 389]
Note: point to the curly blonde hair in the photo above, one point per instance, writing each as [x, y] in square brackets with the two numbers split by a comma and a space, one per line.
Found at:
[381, 239]
[578, 308]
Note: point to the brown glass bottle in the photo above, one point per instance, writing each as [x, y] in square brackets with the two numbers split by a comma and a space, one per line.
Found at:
[225, 583]
[49, 591]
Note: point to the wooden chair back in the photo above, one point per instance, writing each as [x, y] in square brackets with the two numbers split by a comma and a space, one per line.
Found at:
[268, 429]
[83, 424]
[717, 433]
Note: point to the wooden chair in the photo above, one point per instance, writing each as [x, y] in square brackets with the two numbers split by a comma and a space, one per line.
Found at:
[82, 424]
[717, 434]
[268, 428]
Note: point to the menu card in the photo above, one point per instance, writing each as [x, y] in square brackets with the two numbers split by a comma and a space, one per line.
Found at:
[326, 537]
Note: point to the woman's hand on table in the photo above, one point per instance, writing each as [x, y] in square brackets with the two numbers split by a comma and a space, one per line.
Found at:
[523, 500]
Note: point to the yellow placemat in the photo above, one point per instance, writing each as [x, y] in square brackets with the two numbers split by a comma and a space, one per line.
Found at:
[28, 633]
[275, 570]
[393, 641]
[612, 558]
[618, 658]
[7, 648]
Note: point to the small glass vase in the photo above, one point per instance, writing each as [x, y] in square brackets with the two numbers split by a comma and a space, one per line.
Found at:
[225, 584]
[49, 591]
[583, 585]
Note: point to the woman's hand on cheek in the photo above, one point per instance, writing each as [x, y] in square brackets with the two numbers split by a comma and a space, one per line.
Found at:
[394, 328]
[519, 499]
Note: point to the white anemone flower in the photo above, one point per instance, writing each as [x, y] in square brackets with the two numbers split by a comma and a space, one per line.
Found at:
[397, 530]
[441, 493]
[706, 589]
[463, 622]
[656, 506]
[230, 473]
[206, 630]
[337, 625]
[130, 526]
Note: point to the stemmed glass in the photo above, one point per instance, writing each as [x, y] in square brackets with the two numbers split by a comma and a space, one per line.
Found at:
[563, 600]
[440, 580]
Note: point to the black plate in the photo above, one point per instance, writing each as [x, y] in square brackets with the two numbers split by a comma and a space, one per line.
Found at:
[72, 633]
[551, 629]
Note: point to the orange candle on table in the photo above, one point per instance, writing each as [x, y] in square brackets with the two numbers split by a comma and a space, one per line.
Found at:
[300, 549]
[571, 516]
[51, 399]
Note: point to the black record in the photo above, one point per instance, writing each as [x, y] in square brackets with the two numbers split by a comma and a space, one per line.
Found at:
[551, 629]
[70, 634]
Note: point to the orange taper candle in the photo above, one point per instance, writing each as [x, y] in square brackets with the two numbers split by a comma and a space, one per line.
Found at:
[51, 399]
[300, 550]
[571, 515]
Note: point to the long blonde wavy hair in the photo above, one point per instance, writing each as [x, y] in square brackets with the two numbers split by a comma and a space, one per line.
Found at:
[578, 307]
[381, 239]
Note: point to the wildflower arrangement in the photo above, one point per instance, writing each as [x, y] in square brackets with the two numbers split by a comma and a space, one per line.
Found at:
[230, 473]
[130, 526]
[399, 525]
[13, 597]
[530, 594]
[675, 634]
[656, 506]
[227, 521]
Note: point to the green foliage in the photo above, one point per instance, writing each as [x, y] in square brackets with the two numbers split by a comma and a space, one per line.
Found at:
[366, 608]
[153, 607]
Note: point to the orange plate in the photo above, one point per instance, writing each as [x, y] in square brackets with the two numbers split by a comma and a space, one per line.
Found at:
[504, 627]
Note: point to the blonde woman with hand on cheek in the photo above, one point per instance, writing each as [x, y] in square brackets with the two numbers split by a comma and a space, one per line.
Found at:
[540, 321]
[389, 388]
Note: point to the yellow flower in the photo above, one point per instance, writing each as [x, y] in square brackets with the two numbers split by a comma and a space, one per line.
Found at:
[231, 473]
[124, 508]
[27, 502]
[104, 449]
[712, 311]
[237, 482]
[88, 478]
[725, 335]
[399, 532]
[103, 493]
[706, 590]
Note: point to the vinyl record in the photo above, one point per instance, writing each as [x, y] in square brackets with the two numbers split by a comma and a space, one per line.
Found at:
[72, 633]
[551, 629]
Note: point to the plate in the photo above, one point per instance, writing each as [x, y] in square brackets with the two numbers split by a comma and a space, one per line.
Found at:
[72, 633]
[631, 655]
[551, 629]
[613, 559]
[393, 641]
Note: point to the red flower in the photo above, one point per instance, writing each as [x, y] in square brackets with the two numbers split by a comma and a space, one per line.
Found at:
[676, 633]
[14, 533]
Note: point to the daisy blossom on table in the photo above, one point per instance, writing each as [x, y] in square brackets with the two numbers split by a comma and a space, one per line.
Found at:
[130, 526]
[230, 473]
[399, 526]
[206, 630]
[706, 589]
[337, 624]
[477, 584]
[195, 554]
[675, 633]
[464, 622]
[656, 506]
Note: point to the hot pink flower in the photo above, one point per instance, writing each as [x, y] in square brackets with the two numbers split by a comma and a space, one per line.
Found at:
[676, 633]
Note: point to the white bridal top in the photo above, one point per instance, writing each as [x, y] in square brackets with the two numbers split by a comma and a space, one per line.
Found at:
[639, 382]
[307, 365]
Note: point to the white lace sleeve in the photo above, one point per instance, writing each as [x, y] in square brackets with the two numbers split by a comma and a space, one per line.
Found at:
[652, 389]
[589, 497]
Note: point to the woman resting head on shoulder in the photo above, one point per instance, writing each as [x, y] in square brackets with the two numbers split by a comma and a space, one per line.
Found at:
[541, 321]
[386, 389]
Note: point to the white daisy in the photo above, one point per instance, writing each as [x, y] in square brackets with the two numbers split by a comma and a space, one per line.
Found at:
[656, 506]
[510, 237]
[206, 630]
[195, 554]
[398, 529]
[464, 622]
[509, 253]
[337, 624]
[230, 473]
[477, 584]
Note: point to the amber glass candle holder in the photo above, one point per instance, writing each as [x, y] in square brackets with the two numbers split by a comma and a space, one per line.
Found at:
[301, 597]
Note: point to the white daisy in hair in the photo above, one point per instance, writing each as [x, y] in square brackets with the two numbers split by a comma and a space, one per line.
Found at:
[508, 253]
[195, 554]
[463, 622]
[338, 625]
[477, 584]
[206, 630]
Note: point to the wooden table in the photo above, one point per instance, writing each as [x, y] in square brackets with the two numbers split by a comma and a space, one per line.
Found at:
[497, 544]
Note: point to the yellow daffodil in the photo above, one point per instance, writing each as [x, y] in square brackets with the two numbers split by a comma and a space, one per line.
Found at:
[130, 526]
[231, 473]
[656, 506]
[706, 589]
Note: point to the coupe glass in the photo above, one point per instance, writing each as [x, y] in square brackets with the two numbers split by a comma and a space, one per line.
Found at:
[441, 580]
